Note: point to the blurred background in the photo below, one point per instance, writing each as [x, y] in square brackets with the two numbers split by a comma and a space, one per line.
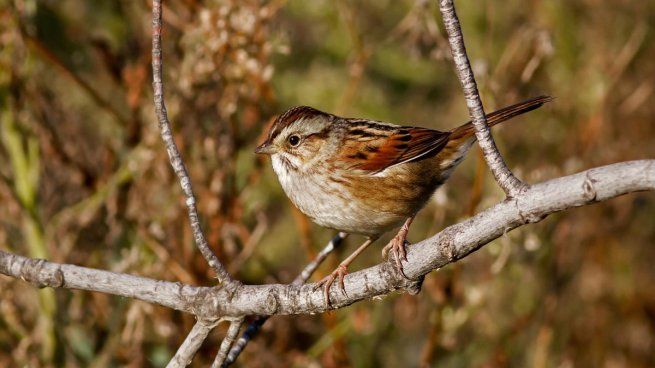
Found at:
[85, 178]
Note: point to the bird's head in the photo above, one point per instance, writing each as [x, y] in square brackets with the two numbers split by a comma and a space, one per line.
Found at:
[297, 137]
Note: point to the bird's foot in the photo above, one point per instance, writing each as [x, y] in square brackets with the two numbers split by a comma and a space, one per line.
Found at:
[396, 247]
[326, 282]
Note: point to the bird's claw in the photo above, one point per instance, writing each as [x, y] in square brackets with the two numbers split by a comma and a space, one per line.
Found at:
[340, 272]
[397, 248]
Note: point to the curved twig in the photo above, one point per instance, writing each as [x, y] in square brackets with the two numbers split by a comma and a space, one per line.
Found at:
[506, 180]
[191, 344]
[230, 336]
[173, 152]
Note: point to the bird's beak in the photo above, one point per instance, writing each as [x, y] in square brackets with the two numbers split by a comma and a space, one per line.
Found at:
[264, 149]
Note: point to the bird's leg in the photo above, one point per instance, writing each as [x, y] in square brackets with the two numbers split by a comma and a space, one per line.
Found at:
[341, 271]
[397, 245]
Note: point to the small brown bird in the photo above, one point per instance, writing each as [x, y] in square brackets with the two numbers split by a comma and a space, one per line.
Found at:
[366, 177]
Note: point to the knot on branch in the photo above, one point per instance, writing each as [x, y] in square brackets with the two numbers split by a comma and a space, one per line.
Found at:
[395, 279]
[447, 245]
[589, 191]
[210, 302]
[232, 287]
[271, 303]
[193, 298]
[35, 272]
[412, 287]
[527, 217]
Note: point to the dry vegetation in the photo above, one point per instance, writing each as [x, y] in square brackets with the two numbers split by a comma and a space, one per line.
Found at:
[85, 179]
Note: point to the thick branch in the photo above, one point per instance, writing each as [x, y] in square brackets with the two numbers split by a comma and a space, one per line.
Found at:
[506, 180]
[450, 245]
[453, 243]
[42, 273]
[173, 152]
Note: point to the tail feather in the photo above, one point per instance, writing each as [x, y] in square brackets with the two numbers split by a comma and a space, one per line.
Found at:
[501, 115]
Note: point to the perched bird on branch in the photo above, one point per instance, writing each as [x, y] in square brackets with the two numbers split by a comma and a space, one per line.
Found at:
[367, 177]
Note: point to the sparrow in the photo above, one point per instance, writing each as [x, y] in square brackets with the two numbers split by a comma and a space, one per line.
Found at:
[367, 177]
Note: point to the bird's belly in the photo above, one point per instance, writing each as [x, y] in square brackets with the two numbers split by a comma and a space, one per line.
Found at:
[330, 204]
[334, 207]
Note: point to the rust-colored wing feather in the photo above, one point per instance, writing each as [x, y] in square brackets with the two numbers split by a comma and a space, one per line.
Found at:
[375, 147]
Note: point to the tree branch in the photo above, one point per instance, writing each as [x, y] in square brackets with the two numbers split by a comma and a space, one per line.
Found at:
[506, 180]
[173, 152]
[255, 326]
[230, 336]
[191, 344]
[452, 244]
[41, 273]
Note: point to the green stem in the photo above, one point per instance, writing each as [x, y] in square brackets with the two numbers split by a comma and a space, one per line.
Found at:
[25, 164]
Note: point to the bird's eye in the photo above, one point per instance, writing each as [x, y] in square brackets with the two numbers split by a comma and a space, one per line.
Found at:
[294, 140]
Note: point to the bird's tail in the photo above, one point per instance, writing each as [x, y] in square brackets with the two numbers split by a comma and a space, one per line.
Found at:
[498, 116]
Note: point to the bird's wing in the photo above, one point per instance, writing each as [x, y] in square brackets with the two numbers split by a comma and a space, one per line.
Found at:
[373, 147]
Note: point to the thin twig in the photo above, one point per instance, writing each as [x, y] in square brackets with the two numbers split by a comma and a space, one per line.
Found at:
[230, 336]
[309, 269]
[506, 180]
[251, 331]
[173, 152]
[191, 344]
[255, 326]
